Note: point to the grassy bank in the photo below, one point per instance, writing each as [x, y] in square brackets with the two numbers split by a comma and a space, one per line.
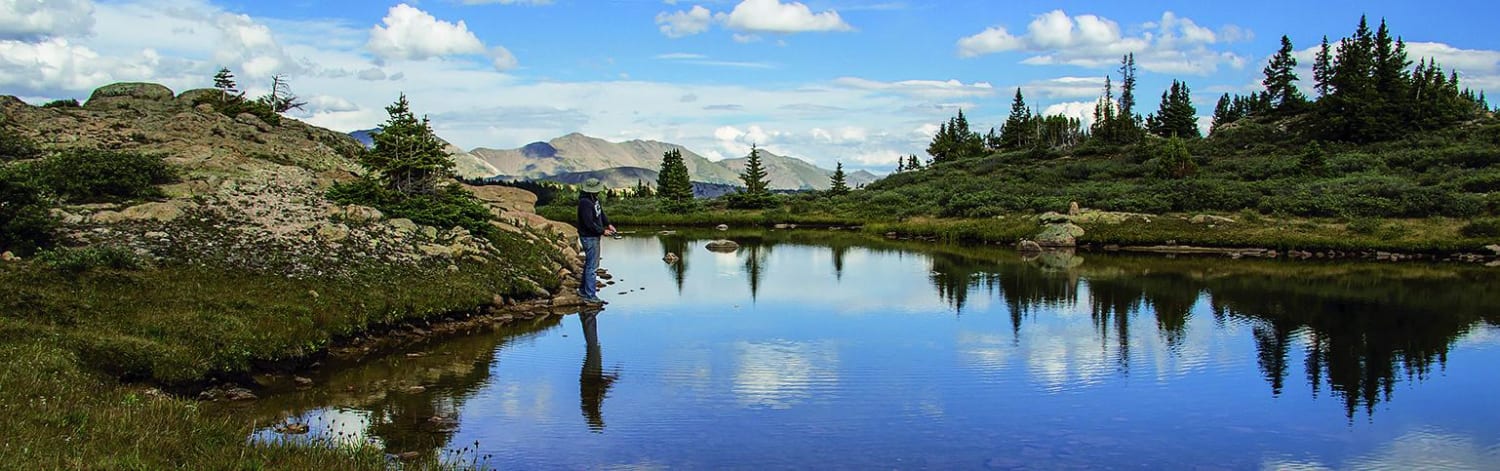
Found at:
[82, 346]
[1249, 229]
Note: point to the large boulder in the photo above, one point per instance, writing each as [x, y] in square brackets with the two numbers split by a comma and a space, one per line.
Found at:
[128, 92]
[161, 212]
[192, 97]
[1059, 235]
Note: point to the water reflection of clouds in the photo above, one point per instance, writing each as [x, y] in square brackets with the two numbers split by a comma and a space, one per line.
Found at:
[516, 400]
[781, 374]
[1418, 449]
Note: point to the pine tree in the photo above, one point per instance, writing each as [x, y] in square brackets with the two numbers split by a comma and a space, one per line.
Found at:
[407, 156]
[1222, 114]
[1323, 69]
[224, 81]
[913, 163]
[757, 192]
[1349, 112]
[672, 182]
[1281, 79]
[1176, 115]
[900, 164]
[1127, 89]
[1017, 129]
[837, 185]
[1391, 86]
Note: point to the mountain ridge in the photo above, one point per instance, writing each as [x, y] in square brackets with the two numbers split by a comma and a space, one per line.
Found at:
[575, 153]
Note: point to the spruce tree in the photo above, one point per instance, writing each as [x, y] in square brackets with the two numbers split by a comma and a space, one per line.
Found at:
[224, 81]
[1323, 69]
[1016, 131]
[1349, 112]
[407, 156]
[913, 163]
[672, 182]
[1222, 114]
[1281, 79]
[1391, 85]
[1176, 115]
[757, 192]
[837, 186]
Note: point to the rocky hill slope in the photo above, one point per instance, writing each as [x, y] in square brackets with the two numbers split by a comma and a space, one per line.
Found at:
[252, 194]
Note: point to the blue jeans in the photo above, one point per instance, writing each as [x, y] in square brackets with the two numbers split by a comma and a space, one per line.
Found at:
[590, 265]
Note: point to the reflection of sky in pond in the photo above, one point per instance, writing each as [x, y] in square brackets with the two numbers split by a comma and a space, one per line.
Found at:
[908, 359]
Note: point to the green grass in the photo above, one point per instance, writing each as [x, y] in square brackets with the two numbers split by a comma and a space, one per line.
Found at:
[80, 341]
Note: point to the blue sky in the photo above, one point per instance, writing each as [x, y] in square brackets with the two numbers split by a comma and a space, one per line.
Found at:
[854, 81]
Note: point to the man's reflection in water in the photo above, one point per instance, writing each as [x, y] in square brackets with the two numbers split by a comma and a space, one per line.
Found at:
[593, 384]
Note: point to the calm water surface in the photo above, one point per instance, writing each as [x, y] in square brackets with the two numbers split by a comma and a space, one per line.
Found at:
[808, 350]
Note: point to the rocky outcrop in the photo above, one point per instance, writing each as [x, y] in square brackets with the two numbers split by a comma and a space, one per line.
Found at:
[253, 194]
[127, 92]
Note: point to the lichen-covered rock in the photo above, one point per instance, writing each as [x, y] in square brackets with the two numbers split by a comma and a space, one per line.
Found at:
[404, 225]
[196, 95]
[1052, 217]
[160, 212]
[127, 91]
[1059, 235]
[723, 245]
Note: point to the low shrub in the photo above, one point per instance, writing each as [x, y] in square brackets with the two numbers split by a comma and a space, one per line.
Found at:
[1481, 228]
[79, 260]
[63, 103]
[89, 176]
[25, 224]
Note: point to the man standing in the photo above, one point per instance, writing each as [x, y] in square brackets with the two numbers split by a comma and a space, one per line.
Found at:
[592, 224]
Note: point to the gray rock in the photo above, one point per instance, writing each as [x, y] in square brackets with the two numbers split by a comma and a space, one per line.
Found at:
[9, 257]
[1073, 209]
[670, 258]
[1059, 235]
[404, 225]
[1028, 246]
[1210, 219]
[722, 227]
[429, 232]
[723, 245]
[1494, 249]
[1052, 217]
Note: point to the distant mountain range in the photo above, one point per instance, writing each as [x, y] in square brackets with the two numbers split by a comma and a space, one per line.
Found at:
[575, 157]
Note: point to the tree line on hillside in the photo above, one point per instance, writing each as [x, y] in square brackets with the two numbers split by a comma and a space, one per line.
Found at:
[1366, 92]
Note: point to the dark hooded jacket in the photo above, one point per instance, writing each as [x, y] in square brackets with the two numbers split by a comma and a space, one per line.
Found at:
[591, 218]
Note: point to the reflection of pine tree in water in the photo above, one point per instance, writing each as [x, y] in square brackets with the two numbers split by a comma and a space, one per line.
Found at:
[839, 250]
[1359, 339]
[755, 265]
[1361, 331]
[676, 245]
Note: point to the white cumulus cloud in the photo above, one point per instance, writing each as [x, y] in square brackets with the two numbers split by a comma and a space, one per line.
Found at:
[33, 19]
[685, 23]
[772, 16]
[412, 34]
[1172, 44]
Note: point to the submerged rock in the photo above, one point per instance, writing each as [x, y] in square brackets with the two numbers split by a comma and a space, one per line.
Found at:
[723, 245]
[1028, 246]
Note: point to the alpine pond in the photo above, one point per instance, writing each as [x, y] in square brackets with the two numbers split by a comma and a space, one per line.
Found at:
[814, 349]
